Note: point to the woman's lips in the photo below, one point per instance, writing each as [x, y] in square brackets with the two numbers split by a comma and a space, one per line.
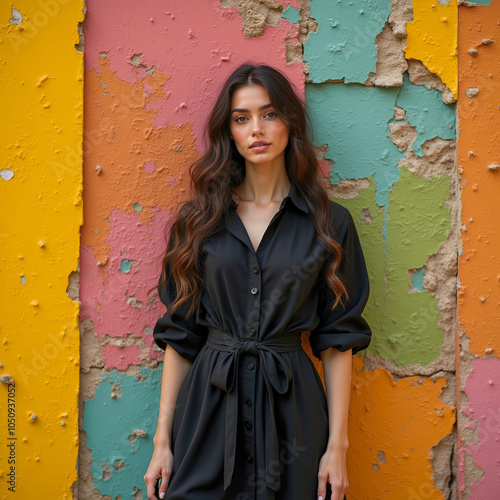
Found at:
[259, 146]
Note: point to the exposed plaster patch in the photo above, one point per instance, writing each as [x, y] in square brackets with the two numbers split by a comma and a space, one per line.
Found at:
[391, 62]
[293, 50]
[348, 188]
[85, 482]
[442, 458]
[402, 135]
[399, 113]
[438, 158]
[401, 14]
[116, 391]
[256, 15]
[17, 17]
[137, 433]
[73, 288]
[136, 60]
[132, 301]
[420, 75]
[366, 216]
[80, 46]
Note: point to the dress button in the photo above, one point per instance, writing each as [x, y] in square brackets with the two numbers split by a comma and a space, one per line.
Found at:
[248, 425]
[250, 366]
[249, 458]
[254, 290]
[256, 270]
[248, 402]
[251, 332]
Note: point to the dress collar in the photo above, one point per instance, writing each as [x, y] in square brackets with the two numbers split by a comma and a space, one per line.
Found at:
[294, 194]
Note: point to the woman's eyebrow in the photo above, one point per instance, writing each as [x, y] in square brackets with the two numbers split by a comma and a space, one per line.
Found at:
[244, 110]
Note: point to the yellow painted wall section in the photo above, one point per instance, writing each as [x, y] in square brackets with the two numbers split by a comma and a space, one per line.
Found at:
[432, 39]
[393, 426]
[41, 205]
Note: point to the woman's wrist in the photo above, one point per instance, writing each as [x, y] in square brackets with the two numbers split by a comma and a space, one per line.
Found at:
[161, 440]
[338, 445]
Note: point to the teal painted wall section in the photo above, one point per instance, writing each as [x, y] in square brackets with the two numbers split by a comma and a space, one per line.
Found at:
[291, 14]
[120, 422]
[344, 45]
[352, 120]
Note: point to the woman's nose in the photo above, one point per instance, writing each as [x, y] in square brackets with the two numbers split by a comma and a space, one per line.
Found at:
[257, 128]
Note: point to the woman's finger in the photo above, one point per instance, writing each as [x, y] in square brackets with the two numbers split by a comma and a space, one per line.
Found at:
[165, 477]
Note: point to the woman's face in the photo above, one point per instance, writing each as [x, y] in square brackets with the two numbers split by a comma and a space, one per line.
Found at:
[260, 136]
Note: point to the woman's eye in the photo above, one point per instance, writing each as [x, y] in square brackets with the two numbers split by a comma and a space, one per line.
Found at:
[240, 119]
[271, 114]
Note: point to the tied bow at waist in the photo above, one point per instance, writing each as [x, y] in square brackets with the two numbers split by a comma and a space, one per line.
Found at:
[277, 375]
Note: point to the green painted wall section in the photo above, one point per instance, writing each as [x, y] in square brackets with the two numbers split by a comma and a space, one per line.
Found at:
[405, 322]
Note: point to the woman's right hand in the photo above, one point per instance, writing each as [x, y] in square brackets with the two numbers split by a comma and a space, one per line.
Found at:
[160, 467]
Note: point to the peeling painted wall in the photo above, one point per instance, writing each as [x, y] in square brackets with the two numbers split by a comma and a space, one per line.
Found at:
[41, 207]
[150, 79]
[404, 97]
[385, 116]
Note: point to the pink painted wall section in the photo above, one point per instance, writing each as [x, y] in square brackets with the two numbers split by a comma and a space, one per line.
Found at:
[113, 289]
[483, 416]
[191, 49]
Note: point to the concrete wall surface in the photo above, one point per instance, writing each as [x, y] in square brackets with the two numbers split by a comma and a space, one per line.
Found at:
[103, 107]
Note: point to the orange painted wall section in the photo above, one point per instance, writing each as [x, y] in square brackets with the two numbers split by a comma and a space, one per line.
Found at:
[478, 329]
[479, 168]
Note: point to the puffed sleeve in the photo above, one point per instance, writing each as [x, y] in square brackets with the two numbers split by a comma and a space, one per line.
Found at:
[187, 337]
[344, 328]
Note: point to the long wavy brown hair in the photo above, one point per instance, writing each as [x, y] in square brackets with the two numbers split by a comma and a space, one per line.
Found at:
[221, 169]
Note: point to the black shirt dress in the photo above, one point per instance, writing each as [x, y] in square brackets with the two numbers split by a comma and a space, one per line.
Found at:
[251, 417]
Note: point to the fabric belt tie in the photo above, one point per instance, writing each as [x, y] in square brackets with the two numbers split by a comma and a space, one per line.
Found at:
[277, 375]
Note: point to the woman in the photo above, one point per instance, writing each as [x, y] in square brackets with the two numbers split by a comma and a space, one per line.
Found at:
[259, 255]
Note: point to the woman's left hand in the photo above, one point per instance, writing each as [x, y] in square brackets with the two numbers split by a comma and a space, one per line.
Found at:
[333, 469]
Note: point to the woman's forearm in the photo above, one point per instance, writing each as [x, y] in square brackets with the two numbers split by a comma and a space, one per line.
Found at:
[337, 367]
[175, 369]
